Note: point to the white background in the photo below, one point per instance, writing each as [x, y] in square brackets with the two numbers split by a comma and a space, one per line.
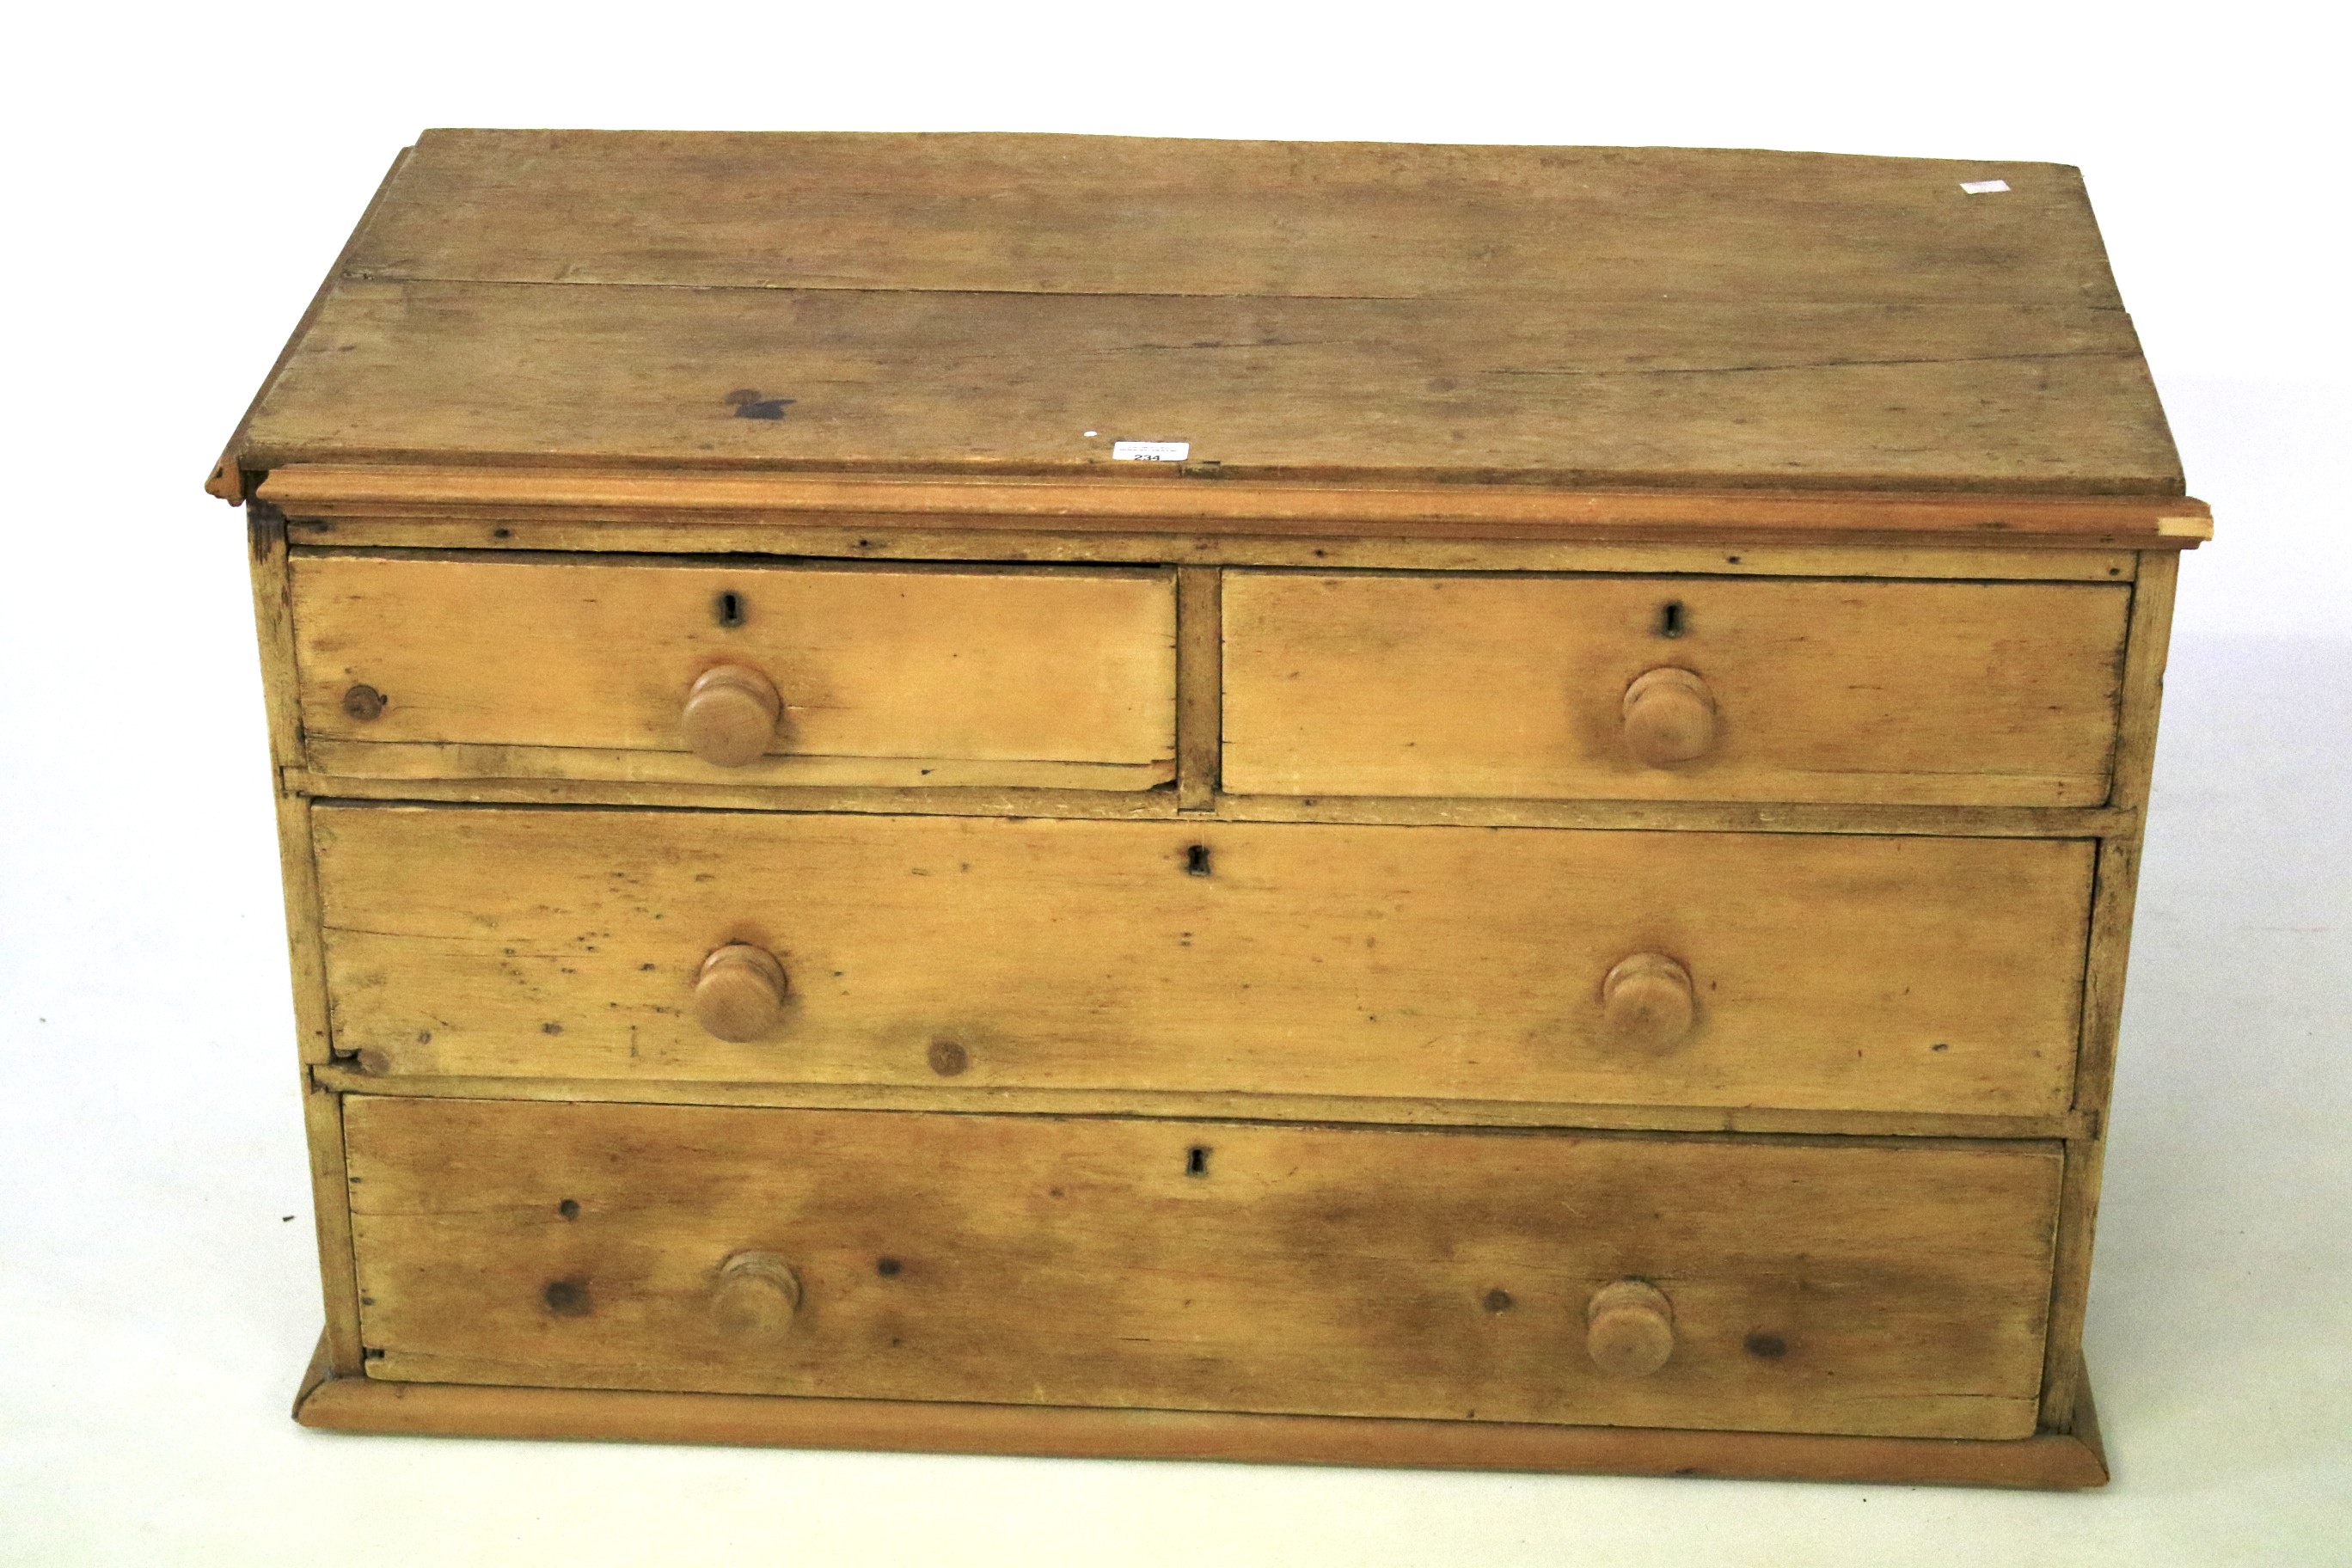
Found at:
[178, 181]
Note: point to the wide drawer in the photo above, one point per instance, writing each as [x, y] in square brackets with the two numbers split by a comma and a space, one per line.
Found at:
[1849, 973]
[1928, 693]
[1790, 1286]
[586, 667]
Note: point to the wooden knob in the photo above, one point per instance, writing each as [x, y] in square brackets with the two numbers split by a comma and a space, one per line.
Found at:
[1646, 1004]
[740, 995]
[731, 715]
[755, 1297]
[1629, 1329]
[1669, 717]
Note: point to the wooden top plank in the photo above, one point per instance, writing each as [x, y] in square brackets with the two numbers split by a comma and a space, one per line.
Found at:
[1114, 215]
[976, 304]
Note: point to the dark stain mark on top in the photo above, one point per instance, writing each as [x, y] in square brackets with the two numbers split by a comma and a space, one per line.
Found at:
[1766, 1347]
[1499, 1300]
[749, 405]
[567, 1298]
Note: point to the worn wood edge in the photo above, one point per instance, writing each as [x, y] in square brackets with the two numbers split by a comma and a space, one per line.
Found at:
[1761, 786]
[1098, 805]
[353, 452]
[399, 760]
[331, 1192]
[1160, 804]
[1154, 573]
[2115, 889]
[1355, 1111]
[2146, 648]
[273, 616]
[228, 478]
[2062, 1374]
[1686, 816]
[715, 540]
[305, 945]
[2057, 1461]
[2084, 1428]
[320, 1369]
[1111, 502]
[1200, 686]
[2114, 892]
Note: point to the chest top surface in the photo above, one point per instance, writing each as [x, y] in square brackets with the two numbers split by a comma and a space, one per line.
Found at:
[1011, 307]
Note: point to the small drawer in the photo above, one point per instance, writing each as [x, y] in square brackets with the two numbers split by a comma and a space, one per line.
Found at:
[1790, 1286]
[1672, 689]
[1845, 972]
[646, 670]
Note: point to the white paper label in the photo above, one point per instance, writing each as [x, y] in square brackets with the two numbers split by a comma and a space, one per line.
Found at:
[1151, 451]
[1983, 187]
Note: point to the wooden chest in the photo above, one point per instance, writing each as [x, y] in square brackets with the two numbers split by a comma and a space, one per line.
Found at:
[1434, 806]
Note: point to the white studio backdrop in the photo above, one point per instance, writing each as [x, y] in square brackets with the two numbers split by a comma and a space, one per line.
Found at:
[179, 179]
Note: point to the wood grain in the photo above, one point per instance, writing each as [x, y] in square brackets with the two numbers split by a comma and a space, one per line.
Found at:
[1097, 214]
[1893, 1289]
[1832, 973]
[1650, 316]
[1200, 685]
[1563, 388]
[581, 668]
[1905, 693]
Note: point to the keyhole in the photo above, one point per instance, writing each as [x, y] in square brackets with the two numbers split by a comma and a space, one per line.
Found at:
[1196, 1160]
[1196, 860]
[1670, 619]
[731, 609]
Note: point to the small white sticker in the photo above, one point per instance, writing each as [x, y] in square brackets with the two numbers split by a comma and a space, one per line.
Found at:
[1151, 451]
[1983, 187]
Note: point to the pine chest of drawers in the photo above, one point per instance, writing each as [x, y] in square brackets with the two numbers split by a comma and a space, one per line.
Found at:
[1439, 806]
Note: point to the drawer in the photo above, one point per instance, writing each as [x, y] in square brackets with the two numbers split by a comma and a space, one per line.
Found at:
[1837, 973]
[1922, 693]
[1794, 1286]
[649, 669]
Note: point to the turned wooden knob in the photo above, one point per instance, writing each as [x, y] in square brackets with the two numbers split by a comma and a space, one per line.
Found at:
[731, 715]
[1669, 717]
[1646, 1003]
[754, 1297]
[1629, 1329]
[740, 995]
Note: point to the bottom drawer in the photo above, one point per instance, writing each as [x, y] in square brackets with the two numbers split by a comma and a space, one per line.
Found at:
[1790, 1285]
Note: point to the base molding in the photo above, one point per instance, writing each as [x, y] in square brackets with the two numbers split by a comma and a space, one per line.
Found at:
[2049, 1461]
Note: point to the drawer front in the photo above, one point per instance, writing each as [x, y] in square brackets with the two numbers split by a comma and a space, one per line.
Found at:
[1923, 693]
[1800, 1287]
[433, 666]
[1844, 972]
